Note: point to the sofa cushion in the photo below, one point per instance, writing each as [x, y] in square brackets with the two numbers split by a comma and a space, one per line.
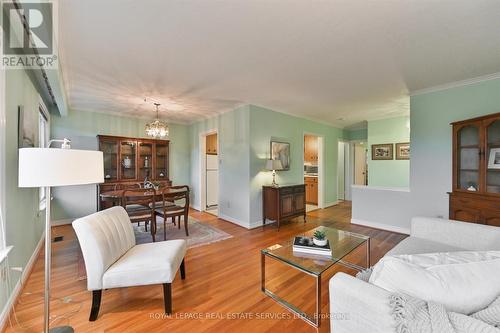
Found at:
[463, 282]
[144, 264]
[414, 245]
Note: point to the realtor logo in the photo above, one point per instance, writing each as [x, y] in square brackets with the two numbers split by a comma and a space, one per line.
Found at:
[28, 34]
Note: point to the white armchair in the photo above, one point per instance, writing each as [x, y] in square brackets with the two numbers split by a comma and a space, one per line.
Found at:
[113, 260]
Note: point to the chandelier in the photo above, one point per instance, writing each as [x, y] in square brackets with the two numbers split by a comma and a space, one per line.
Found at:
[157, 129]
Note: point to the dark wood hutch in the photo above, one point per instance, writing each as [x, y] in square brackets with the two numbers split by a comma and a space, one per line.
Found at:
[476, 175]
[132, 160]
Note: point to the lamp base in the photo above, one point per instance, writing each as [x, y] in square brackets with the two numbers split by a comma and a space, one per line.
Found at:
[62, 329]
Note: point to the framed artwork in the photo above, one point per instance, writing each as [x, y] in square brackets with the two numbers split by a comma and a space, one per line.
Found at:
[403, 151]
[26, 130]
[383, 151]
[494, 159]
[281, 151]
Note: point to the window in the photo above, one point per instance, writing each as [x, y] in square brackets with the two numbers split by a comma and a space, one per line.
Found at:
[43, 139]
[2, 158]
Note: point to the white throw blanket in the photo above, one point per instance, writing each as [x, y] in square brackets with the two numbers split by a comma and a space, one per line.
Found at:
[413, 315]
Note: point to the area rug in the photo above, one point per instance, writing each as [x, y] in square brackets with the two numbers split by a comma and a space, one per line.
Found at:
[199, 234]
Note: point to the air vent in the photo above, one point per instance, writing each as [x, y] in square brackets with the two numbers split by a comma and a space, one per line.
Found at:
[58, 239]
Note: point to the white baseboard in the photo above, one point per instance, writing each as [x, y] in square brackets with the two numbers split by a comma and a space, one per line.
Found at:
[382, 226]
[329, 204]
[61, 222]
[235, 221]
[4, 315]
[195, 207]
[258, 224]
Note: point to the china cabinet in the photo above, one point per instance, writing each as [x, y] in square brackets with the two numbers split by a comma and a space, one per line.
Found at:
[476, 170]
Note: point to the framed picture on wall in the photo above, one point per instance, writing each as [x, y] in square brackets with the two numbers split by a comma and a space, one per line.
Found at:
[383, 151]
[281, 151]
[403, 151]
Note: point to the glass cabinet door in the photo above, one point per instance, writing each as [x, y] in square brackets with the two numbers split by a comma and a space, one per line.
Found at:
[145, 160]
[492, 155]
[110, 157]
[128, 159]
[161, 168]
[468, 159]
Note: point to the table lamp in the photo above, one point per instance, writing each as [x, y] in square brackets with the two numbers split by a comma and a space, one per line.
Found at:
[46, 167]
[274, 165]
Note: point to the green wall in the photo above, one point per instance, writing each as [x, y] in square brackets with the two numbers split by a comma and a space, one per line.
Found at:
[233, 136]
[388, 173]
[431, 137]
[356, 134]
[24, 222]
[267, 124]
[82, 128]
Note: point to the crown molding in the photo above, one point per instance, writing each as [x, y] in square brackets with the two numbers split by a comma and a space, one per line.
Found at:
[456, 84]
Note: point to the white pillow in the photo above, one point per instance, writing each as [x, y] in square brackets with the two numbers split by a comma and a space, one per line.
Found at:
[464, 282]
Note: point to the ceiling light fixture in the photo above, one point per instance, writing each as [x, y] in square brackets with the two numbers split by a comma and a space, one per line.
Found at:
[157, 129]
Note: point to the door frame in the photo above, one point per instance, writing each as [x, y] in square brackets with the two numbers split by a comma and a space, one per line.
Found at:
[321, 166]
[350, 166]
[202, 168]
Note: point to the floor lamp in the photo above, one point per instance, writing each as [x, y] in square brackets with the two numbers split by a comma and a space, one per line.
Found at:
[48, 167]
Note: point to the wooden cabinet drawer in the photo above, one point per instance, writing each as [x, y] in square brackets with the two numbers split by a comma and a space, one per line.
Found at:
[286, 190]
[299, 189]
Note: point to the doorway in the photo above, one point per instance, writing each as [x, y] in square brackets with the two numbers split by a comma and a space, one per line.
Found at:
[355, 166]
[209, 166]
[313, 171]
[360, 164]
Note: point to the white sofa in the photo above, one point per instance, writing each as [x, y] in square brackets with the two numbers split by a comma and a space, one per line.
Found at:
[113, 260]
[357, 306]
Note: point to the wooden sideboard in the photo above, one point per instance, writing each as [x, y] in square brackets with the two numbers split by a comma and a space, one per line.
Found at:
[283, 202]
[476, 174]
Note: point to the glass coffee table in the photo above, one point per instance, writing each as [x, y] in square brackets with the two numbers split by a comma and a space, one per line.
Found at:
[342, 244]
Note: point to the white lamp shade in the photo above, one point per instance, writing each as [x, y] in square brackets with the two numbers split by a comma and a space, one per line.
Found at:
[274, 165]
[40, 167]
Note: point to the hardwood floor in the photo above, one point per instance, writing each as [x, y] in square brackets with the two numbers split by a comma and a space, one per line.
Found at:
[221, 292]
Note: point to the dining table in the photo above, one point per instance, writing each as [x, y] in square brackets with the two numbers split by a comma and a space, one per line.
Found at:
[115, 196]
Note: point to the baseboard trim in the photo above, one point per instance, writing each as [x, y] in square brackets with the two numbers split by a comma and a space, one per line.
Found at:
[330, 204]
[55, 223]
[195, 207]
[235, 221]
[4, 315]
[381, 226]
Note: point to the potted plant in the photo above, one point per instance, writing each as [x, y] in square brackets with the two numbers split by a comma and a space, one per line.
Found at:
[319, 238]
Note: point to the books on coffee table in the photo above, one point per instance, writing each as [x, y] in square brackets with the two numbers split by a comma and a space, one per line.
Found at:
[306, 245]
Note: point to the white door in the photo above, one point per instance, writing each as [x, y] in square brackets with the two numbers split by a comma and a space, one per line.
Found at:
[360, 164]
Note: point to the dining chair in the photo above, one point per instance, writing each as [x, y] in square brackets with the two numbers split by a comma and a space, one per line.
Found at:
[175, 205]
[140, 207]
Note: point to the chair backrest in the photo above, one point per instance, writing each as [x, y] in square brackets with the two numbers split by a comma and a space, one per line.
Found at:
[178, 194]
[104, 237]
[143, 196]
[124, 186]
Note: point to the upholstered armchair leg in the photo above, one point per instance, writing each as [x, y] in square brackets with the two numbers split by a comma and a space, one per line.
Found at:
[96, 304]
[167, 297]
[183, 270]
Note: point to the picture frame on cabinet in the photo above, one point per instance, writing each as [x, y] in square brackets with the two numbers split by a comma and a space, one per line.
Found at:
[494, 159]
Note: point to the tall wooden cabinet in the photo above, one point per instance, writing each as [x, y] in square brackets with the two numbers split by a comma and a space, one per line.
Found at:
[132, 160]
[476, 170]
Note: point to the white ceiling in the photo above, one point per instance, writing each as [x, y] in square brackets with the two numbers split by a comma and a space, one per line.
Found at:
[325, 60]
